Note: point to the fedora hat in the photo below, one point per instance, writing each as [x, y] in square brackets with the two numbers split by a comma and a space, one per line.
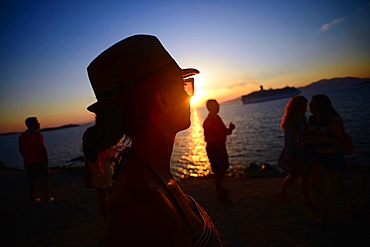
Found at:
[132, 61]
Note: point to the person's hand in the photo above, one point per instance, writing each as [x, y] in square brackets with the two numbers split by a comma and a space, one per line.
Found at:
[231, 126]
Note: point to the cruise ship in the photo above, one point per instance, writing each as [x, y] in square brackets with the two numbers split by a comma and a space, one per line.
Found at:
[270, 94]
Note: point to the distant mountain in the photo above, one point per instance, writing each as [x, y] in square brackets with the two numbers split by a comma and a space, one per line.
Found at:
[60, 127]
[335, 83]
[325, 84]
[43, 130]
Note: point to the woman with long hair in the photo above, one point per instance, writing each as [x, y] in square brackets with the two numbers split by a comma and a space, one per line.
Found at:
[294, 152]
[144, 97]
[326, 137]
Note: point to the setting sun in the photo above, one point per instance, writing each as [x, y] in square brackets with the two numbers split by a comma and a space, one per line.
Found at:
[200, 95]
[197, 99]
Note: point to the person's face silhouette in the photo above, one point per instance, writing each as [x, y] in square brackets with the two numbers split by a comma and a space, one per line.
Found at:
[35, 125]
[302, 109]
[179, 105]
[213, 107]
[313, 106]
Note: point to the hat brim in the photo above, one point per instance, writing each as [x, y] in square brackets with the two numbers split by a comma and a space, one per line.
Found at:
[189, 72]
[114, 100]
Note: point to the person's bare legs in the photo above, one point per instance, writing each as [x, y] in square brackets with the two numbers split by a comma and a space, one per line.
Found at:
[318, 178]
[305, 185]
[46, 188]
[287, 182]
[103, 201]
[219, 178]
[336, 178]
[220, 189]
[32, 189]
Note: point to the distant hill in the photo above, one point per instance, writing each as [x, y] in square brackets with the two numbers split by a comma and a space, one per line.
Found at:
[60, 127]
[335, 83]
[43, 130]
[325, 84]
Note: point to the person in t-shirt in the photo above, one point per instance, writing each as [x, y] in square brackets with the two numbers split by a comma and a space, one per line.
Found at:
[35, 157]
[215, 133]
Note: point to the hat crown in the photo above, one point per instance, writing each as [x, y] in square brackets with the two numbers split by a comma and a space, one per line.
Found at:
[127, 61]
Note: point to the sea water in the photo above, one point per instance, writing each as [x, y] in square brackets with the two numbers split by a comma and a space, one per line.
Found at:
[256, 139]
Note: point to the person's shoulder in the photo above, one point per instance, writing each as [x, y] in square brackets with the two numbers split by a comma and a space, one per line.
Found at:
[335, 120]
[26, 134]
[207, 120]
[336, 123]
[36, 134]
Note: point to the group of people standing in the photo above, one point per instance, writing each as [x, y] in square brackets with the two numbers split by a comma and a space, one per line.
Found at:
[314, 148]
[143, 96]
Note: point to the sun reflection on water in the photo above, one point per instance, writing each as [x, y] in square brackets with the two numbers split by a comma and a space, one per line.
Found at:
[190, 158]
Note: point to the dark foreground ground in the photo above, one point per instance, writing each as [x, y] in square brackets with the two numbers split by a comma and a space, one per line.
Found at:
[253, 217]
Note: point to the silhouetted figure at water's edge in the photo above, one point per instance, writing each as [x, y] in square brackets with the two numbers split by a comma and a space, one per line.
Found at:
[35, 158]
[215, 133]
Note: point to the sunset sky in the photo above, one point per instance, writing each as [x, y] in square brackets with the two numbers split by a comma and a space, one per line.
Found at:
[237, 46]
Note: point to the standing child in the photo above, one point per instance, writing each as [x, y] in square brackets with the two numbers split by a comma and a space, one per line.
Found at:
[215, 133]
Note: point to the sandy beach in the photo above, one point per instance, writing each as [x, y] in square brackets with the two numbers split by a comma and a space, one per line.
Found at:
[253, 217]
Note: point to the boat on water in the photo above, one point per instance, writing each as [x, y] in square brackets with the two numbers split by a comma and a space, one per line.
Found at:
[270, 94]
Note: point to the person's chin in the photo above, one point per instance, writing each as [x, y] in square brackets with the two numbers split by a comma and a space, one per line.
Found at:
[185, 126]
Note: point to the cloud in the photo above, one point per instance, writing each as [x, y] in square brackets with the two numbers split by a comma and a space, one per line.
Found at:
[363, 7]
[327, 26]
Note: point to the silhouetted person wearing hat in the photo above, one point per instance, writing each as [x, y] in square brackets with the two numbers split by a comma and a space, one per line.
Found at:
[215, 134]
[144, 96]
[35, 157]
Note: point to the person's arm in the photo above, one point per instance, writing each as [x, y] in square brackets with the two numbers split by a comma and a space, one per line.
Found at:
[337, 130]
[224, 130]
[288, 142]
[20, 145]
[43, 148]
[231, 128]
[337, 133]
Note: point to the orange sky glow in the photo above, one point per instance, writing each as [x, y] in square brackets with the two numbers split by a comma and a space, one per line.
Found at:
[236, 45]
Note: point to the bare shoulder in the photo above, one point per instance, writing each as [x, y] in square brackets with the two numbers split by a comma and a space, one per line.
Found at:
[336, 127]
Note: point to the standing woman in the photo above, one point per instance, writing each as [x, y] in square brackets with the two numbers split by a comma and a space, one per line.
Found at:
[144, 96]
[294, 153]
[326, 138]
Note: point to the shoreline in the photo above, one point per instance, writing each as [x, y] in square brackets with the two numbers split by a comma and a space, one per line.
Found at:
[254, 217]
[253, 170]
